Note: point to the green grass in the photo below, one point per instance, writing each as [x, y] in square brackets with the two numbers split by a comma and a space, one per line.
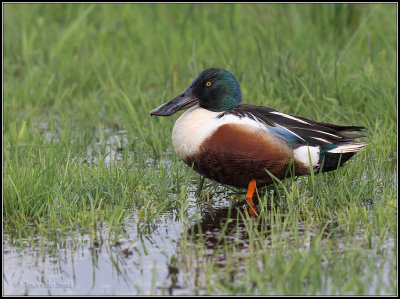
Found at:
[77, 75]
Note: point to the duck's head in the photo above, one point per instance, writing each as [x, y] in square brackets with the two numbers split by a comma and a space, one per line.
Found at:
[214, 89]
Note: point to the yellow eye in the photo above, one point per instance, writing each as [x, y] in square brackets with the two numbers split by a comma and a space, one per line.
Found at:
[208, 83]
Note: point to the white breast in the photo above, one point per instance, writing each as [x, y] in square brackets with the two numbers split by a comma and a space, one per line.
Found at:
[191, 129]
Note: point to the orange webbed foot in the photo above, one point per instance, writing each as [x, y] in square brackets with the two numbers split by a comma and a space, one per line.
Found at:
[249, 198]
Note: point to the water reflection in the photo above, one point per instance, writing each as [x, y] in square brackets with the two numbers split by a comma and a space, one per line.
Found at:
[125, 261]
[90, 262]
[214, 222]
[129, 260]
[169, 259]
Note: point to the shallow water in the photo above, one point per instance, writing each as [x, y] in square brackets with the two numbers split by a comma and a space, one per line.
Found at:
[131, 261]
[80, 263]
[82, 267]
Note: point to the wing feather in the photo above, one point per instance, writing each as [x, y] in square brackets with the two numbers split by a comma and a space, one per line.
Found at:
[293, 128]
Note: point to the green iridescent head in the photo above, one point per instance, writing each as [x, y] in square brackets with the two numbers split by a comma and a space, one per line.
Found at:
[214, 89]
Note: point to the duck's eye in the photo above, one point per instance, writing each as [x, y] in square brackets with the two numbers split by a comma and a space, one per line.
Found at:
[208, 83]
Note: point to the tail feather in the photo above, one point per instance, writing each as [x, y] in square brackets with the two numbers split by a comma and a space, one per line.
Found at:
[335, 155]
[349, 147]
[352, 136]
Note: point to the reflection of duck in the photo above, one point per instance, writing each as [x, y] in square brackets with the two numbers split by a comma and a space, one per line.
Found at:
[225, 227]
[219, 227]
[234, 143]
[212, 222]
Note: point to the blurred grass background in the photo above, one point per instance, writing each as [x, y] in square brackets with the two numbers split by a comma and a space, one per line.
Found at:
[77, 74]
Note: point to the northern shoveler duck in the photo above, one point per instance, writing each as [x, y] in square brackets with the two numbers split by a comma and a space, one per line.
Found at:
[234, 144]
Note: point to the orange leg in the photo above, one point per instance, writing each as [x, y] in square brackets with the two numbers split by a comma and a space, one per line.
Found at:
[249, 197]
